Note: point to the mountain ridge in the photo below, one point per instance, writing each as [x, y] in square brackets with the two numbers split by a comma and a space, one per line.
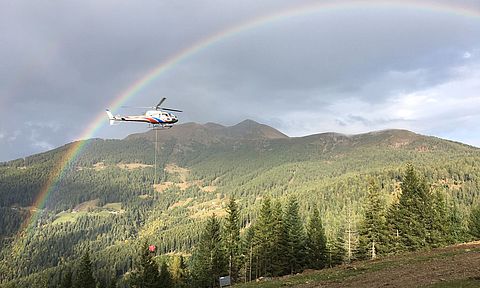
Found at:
[250, 130]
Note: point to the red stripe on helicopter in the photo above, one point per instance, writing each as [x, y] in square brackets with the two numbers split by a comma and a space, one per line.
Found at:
[153, 121]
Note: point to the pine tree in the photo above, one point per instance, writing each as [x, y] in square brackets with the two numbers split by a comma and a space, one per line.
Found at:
[263, 240]
[316, 245]
[373, 231]
[440, 226]
[146, 274]
[410, 218]
[458, 231]
[67, 277]
[113, 282]
[279, 241]
[231, 239]
[208, 259]
[474, 222]
[165, 278]
[295, 237]
[84, 277]
[336, 249]
[178, 271]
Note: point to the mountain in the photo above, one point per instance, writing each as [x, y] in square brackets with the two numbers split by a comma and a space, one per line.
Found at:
[106, 199]
[212, 133]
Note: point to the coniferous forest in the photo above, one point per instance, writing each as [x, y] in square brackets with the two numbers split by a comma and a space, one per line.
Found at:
[231, 201]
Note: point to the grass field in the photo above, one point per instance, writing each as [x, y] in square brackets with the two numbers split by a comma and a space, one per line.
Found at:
[453, 266]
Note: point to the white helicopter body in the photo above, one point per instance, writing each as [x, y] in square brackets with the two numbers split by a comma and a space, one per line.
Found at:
[156, 118]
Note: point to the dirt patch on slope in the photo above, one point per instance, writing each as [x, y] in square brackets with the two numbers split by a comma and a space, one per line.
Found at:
[132, 166]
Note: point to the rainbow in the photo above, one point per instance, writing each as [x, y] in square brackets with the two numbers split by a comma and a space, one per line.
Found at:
[331, 6]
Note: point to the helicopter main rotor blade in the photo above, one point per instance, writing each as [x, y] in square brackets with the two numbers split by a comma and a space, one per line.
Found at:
[160, 103]
[169, 109]
[137, 107]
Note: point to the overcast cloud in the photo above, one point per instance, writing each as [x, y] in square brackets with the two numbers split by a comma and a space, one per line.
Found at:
[348, 70]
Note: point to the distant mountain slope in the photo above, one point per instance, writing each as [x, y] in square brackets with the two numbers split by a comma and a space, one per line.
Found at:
[198, 168]
[211, 132]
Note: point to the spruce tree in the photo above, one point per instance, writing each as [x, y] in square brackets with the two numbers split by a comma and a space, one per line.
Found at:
[84, 277]
[263, 240]
[474, 222]
[113, 282]
[458, 231]
[336, 249]
[295, 237]
[279, 241]
[146, 274]
[165, 278]
[373, 230]
[395, 244]
[67, 278]
[440, 226]
[316, 245]
[411, 218]
[178, 270]
[231, 239]
[208, 259]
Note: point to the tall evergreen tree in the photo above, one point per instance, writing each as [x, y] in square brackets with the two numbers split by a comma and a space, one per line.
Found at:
[295, 237]
[84, 277]
[373, 232]
[411, 217]
[316, 245]
[112, 282]
[146, 274]
[474, 222]
[440, 225]
[458, 231]
[231, 239]
[67, 278]
[178, 270]
[336, 249]
[263, 240]
[165, 278]
[279, 241]
[208, 259]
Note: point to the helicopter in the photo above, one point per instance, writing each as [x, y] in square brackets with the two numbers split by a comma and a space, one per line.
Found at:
[157, 118]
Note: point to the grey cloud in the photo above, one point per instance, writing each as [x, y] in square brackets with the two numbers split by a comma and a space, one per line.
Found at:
[64, 62]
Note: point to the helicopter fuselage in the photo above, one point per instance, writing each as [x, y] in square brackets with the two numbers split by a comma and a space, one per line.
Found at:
[154, 117]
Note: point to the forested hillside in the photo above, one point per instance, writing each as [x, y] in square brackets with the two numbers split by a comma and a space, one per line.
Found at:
[107, 204]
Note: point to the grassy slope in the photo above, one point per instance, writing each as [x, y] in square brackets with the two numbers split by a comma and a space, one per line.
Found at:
[453, 266]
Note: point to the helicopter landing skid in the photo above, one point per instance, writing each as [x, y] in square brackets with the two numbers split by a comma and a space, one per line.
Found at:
[160, 126]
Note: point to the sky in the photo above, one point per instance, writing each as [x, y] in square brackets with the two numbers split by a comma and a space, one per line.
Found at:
[350, 68]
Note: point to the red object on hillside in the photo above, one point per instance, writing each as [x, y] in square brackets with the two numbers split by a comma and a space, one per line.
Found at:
[152, 248]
